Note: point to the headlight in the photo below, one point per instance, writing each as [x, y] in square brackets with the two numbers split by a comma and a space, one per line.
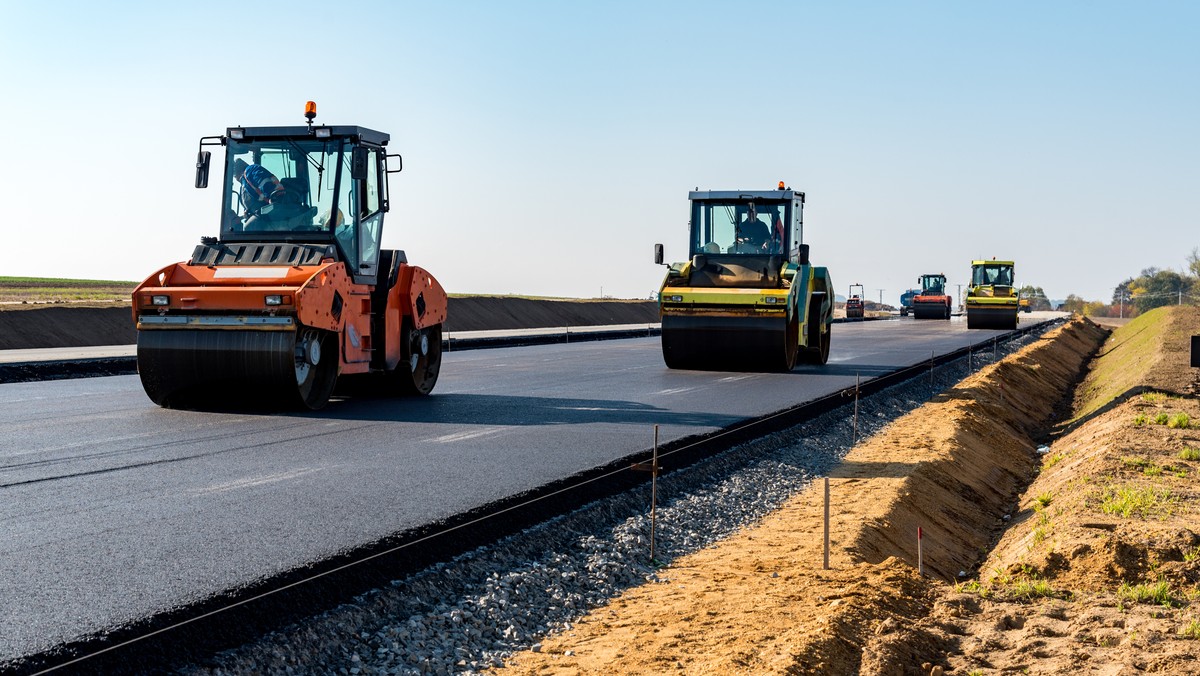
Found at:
[321, 132]
[675, 299]
[237, 134]
[771, 300]
[274, 300]
[160, 300]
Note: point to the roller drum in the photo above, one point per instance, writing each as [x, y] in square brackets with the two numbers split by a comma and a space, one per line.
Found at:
[727, 343]
[197, 368]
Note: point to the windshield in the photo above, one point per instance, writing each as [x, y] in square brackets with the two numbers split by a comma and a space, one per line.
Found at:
[282, 185]
[992, 275]
[739, 227]
[932, 284]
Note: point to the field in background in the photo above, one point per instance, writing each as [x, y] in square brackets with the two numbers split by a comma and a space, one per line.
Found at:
[39, 290]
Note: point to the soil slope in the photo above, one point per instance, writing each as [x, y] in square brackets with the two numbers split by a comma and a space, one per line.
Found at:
[65, 325]
[760, 601]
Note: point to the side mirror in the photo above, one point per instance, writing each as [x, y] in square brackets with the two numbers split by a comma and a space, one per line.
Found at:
[203, 160]
[658, 254]
[358, 164]
[394, 166]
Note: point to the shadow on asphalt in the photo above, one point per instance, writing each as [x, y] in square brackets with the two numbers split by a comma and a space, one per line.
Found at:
[492, 409]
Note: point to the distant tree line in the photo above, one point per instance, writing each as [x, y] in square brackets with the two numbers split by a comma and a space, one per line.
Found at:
[1151, 288]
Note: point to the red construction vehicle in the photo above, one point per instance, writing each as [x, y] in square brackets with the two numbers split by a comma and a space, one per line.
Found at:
[855, 307]
[933, 302]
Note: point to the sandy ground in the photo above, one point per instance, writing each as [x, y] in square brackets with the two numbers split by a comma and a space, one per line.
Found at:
[1023, 570]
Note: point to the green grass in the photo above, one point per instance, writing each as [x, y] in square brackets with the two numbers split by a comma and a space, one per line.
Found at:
[1157, 593]
[1138, 501]
[1189, 453]
[1190, 630]
[1154, 397]
[1140, 420]
[1191, 554]
[1054, 460]
[1161, 419]
[1179, 421]
[1133, 462]
[1044, 499]
[1028, 590]
[51, 290]
[1152, 470]
[1124, 361]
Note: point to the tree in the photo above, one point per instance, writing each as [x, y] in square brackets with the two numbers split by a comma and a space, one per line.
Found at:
[1164, 287]
[1193, 262]
[1074, 303]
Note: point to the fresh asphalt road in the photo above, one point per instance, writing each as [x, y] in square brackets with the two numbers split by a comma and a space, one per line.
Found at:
[113, 509]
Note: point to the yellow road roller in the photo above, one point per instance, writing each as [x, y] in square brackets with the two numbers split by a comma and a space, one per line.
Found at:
[747, 298]
[992, 299]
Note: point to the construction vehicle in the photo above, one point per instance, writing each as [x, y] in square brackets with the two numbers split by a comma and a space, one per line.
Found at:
[1024, 305]
[855, 305]
[933, 302]
[748, 297]
[906, 301]
[296, 295]
[992, 301]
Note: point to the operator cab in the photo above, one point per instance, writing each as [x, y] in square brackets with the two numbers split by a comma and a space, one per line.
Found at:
[933, 284]
[992, 274]
[304, 186]
[744, 239]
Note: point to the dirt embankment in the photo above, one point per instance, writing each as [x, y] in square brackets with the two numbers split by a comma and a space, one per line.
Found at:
[22, 327]
[1097, 570]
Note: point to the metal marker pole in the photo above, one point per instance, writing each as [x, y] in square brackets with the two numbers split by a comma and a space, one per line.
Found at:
[854, 438]
[826, 523]
[920, 560]
[931, 367]
[653, 492]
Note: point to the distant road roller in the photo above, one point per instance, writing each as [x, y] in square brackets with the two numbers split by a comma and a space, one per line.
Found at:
[748, 298]
[932, 302]
[856, 307]
[296, 295]
[992, 299]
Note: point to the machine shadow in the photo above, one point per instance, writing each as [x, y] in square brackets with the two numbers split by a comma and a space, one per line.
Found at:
[867, 370]
[492, 409]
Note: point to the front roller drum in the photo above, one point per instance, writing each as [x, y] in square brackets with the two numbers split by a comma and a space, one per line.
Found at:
[215, 369]
[997, 318]
[729, 343]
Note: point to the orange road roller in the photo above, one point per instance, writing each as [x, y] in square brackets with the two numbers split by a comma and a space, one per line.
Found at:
[296, 295]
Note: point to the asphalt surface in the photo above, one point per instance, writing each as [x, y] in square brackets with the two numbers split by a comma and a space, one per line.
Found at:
[113, 509]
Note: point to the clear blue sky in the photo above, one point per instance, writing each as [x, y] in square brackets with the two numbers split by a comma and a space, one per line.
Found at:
[548, 145]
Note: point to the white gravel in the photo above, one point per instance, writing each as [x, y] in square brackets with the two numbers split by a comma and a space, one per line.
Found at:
[470, 614]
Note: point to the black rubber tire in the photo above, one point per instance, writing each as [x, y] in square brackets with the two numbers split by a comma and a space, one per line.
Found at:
[420, 358]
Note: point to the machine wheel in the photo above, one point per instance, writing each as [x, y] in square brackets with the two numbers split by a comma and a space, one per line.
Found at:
[817, 352]
[316, 367]
[420, 358]
[791, 345]
[947, 312]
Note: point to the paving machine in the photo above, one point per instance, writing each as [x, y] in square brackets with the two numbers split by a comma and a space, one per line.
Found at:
[932, 302]
[296, 295]
[992, 301]
[855, 305]
[906, 301]
[748, 297]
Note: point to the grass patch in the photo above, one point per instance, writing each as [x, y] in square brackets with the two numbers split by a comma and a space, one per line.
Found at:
[1140, 420]
[1125, 360]
[1027, 590]
[1189, 453]
[1138, 501]
[1191, 554]
[1132, 462]
[973, 587]
[1158, 593]
[1154, 397]
[1179, 421]
[1054, 460]
[1161, 419]
[1039, 535]
[1152, 470]
[51, 290]
[1190, 630]
[1044, 499]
